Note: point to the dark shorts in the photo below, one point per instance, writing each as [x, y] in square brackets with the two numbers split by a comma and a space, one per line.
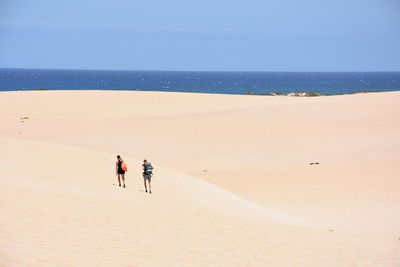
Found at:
[120, 171]
[147, 176]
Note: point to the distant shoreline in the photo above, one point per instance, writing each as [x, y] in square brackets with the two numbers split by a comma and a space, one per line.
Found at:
[292, 94]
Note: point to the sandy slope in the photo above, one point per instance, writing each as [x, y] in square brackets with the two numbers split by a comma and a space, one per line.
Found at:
[267, 207]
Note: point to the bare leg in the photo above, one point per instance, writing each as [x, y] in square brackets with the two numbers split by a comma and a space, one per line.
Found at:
[145, 185]
[119, 179]
[149, 186]
[123, 179]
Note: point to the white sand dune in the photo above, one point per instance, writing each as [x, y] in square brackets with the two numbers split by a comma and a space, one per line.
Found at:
[233, 184]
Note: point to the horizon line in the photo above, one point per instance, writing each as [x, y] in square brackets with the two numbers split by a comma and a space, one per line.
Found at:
[155, 70]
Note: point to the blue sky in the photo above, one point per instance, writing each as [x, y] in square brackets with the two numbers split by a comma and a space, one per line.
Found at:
[253, 35]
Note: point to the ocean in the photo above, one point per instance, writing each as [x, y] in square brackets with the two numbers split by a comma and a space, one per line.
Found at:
[199, 81]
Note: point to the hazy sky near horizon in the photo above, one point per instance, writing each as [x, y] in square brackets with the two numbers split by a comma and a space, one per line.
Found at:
[254, 35]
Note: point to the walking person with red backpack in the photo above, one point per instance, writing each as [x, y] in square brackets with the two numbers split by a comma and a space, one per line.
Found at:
[121, 169]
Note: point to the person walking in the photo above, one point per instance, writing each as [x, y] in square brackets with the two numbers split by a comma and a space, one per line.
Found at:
[147, 174]
[120, 168]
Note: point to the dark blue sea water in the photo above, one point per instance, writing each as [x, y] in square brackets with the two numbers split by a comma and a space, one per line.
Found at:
[196, 81]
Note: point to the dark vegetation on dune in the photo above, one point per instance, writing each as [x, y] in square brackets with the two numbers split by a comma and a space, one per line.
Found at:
[309, 93]
[298, 93]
